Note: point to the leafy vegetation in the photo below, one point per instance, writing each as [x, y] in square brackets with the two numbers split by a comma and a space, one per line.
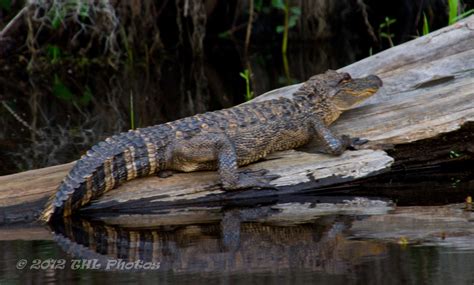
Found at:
[53, 53]
[64, 93]
[292, 14]
[454, 154]
[384, 30]
[61, 91]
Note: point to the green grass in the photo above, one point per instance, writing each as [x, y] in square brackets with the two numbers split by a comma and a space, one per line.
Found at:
[426, 27]
[453, 10]
[464, 15]
[132, 112]
[455, 13]
[246, 76]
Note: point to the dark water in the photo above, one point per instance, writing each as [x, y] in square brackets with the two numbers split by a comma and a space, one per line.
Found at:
[409, 265]
[350, 248]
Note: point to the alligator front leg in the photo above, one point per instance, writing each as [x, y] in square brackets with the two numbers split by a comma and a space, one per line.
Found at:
[329, 143]
[203, 151]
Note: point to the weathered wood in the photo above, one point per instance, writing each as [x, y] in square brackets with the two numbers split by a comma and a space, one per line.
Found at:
[22, 195]
[428, 90]
[300, 172]
[31, 185]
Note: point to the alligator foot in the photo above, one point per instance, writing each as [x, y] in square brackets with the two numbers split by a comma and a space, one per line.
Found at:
[254, 179]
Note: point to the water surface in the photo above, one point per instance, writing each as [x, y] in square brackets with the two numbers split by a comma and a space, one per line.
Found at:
[350, 241]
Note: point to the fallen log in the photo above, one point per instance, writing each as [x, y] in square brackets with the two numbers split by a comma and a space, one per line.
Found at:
[428, 91]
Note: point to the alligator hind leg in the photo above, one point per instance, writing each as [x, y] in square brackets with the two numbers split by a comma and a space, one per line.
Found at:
[217, 149]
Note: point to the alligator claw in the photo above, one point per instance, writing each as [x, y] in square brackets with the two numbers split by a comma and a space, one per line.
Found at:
[358, 141]
[353, 143]
[250, 172]
[255, 179]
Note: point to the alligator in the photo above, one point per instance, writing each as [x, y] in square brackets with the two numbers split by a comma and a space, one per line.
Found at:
[221, 140]
[201, 247]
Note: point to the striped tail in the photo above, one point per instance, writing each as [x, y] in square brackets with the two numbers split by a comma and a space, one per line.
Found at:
[106, 166]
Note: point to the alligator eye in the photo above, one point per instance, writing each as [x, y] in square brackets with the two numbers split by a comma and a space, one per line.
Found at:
[345, 78]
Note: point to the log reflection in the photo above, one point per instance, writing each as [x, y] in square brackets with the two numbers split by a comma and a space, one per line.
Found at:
[228, 246]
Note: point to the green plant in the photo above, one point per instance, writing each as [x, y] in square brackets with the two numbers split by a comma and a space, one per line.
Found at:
[132, 112]
[54, 53]
[127, 46]
[465, 14]
[384, 30]
[62, 92]
[453, 10]
[456, 13]
[261, 7]
[455, 182]
[60, 10]
[225, 34]
[292, 14]
[246, 76]
[57, 15]
[86, 97]
[426, 27]
[84, 10]
[454, 154]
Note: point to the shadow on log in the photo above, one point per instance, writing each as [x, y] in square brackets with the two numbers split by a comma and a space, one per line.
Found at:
[428, 91]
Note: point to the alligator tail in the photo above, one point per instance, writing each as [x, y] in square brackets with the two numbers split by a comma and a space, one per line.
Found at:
[106, 165]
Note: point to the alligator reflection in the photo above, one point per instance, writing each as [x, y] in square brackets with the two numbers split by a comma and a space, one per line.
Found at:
[231, 245]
